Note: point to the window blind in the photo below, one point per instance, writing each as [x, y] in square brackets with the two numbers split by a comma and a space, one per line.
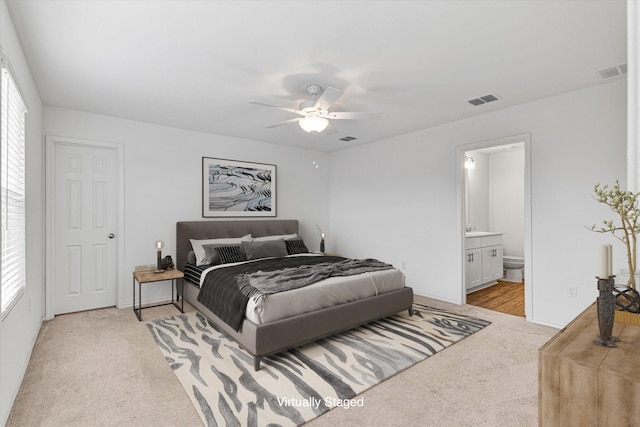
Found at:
[12, 170]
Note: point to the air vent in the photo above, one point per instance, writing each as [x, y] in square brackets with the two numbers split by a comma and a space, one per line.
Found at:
[347, 138]
[614, 71]
[485, 99]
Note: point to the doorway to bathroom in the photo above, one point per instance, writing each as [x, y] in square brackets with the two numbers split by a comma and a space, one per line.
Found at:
[495, 217]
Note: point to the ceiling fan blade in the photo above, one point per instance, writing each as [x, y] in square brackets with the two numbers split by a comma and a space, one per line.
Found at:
[290, 110]
[345, 115]
[286, 122]
[328, 98]
[330, 129]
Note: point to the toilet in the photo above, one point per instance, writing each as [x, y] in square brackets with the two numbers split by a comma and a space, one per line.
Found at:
[514, 268]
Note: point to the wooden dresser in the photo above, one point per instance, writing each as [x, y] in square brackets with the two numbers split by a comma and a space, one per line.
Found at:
[583, 384]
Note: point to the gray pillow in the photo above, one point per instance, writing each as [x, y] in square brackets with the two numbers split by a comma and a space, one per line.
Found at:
[264, 249]
[229, 254]
[191, 258]
[212, 257]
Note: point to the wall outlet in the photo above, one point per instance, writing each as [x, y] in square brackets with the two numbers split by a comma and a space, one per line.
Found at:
[572, 291]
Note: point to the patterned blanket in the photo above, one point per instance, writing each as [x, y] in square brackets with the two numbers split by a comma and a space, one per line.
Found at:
[220, 292]
[262, 283]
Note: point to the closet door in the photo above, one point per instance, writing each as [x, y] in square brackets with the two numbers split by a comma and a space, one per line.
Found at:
[84, 257]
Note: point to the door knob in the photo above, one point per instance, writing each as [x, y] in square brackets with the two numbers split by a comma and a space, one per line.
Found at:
[111, 235]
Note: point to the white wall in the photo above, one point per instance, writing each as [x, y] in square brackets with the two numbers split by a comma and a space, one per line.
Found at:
[506, 199]
[20, 327]
[633, 98]
[397, 199]
[163, 172]
[478, 193]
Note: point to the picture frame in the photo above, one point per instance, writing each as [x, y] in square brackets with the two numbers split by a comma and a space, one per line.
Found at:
[233, 188]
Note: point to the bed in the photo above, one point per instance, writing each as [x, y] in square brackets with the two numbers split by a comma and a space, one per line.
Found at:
[261, 339]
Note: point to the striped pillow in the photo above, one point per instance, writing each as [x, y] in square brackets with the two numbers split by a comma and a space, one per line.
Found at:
[229, 254]
[296, 246]
[211, 255]
[192, 273]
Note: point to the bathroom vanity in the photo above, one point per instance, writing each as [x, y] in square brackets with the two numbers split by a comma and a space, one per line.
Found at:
[483, 259]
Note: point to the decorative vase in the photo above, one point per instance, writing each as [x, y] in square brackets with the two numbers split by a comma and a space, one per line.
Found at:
[626, 317]
[627, 301]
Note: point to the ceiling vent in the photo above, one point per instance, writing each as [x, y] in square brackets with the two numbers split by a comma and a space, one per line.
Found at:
[611, 72]
[485, 99]
[347, 138]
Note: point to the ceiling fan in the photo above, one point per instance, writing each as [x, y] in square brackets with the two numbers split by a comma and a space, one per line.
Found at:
[315, 113]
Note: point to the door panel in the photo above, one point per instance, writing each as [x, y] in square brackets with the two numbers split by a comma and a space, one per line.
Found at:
[473, 268]
[85, 209]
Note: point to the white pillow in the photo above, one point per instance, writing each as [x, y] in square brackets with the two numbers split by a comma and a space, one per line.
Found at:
[200, 253]
[281, 236]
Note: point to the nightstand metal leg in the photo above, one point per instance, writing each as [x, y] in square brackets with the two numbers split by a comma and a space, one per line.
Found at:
[182, 292]
[137, 311]
[181, 306]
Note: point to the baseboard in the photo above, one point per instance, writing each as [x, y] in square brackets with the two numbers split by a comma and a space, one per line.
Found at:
[436, 298]
[149, 302]
[481, 287]
[544, 323]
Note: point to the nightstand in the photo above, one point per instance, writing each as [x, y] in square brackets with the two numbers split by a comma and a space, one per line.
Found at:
[148, 276]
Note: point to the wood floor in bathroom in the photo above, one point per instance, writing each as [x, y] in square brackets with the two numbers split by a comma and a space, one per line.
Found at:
[505, 297]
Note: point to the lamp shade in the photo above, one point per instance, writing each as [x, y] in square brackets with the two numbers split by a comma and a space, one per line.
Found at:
[313, 124]
[159, 244]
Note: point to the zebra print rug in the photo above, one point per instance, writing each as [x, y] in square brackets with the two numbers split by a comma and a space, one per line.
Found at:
[298, 385]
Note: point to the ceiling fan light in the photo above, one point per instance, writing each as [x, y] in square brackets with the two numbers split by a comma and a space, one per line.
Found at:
[313, 124]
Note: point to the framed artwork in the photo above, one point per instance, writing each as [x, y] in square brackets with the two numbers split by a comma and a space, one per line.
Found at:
[234, 188]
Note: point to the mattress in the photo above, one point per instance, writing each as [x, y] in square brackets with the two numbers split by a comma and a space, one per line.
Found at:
[323, 294]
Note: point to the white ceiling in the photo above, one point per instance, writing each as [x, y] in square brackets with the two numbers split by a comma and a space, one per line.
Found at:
[195, 64]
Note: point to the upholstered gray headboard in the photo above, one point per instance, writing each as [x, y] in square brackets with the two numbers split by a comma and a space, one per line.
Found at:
[216, 229]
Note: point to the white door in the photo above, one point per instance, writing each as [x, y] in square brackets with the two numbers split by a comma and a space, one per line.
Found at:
[498, 264]
[488, 255]
[85, 208]
[491, 263]
[473, 265]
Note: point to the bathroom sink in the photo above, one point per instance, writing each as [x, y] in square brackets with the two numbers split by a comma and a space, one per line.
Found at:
[481, 233]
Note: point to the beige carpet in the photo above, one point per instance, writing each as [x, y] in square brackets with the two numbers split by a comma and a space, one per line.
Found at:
[102, 368]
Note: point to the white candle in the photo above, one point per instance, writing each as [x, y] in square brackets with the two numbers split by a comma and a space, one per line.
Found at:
[603, 262]
[610, 259]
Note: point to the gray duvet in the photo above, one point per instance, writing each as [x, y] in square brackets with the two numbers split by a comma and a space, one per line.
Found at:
[263, 283]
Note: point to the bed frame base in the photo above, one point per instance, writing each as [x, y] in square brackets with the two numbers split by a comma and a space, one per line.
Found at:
[263, 340]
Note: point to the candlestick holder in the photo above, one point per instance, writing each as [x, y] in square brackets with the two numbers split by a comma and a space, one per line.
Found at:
[159, 245]
[606, 306]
